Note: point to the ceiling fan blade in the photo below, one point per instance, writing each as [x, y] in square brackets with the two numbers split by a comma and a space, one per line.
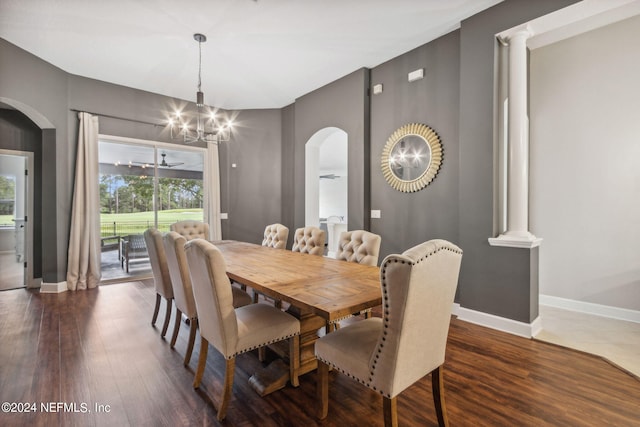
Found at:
[143, 164]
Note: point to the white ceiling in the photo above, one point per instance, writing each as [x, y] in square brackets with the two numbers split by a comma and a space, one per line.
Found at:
[259, 54]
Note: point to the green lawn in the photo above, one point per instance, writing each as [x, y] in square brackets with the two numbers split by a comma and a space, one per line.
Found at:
[136, 223]
[167, 215]
[6, 220]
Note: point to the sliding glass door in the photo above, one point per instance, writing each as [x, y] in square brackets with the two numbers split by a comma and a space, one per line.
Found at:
[144, 185]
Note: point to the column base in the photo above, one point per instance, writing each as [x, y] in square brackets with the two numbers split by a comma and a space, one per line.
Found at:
[516, 239]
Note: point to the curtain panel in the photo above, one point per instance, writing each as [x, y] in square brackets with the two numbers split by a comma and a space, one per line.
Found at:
[83, 266]
[212, 197]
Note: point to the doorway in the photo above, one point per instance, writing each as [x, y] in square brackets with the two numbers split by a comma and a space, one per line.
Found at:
[15, 210]
[326, 183]
[144, 184]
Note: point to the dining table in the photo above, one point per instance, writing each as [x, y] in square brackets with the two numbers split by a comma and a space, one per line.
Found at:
[318, 290]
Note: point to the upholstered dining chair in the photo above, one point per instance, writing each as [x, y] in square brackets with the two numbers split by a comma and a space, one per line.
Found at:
[191, 229]
[389, 354]
[183, 292]
[275, 236]
[233, 331]
[309, 240]
[359, 246]
[161, 276]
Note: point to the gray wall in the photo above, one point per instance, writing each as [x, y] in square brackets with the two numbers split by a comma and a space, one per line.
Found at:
[493, 280]
[251, 192]
[42, 87]
[343, 104]
[408, 219]
[288, 187]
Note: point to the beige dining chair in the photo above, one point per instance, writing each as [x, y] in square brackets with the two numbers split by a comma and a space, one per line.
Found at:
[309, 240]
[191, 229]
[183, 292]
[161, 276]
[233, 331]
[361, 247]
[275, 236]
[389, 354]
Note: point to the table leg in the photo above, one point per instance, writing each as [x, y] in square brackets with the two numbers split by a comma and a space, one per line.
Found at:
[275, 376]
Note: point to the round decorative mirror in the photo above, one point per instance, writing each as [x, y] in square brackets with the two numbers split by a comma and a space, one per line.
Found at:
[411, 158]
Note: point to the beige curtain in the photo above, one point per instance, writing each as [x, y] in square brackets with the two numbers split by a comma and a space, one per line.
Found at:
[212, 198]
[83, 267]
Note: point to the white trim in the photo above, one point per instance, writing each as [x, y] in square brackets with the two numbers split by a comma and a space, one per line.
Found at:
[455, 309]
[53, 288]
[503, 324]
[35, 283]
[591, 308]
[41, 121]
[536, 326]
[575, 19]
[513, 242]
[28, 280]
[149, 142]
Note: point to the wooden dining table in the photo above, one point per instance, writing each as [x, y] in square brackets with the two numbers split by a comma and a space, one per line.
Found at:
[318, 290]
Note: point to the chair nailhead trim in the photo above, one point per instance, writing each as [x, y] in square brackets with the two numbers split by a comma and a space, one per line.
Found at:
[387, 315]
[261, 345]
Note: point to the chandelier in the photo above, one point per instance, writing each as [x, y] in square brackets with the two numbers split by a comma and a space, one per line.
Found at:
[207, 129]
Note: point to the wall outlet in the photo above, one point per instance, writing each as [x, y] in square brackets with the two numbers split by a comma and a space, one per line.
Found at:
[375, 213]
[224, 216]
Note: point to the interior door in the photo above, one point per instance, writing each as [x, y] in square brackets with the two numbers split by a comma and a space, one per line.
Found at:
[14, 216]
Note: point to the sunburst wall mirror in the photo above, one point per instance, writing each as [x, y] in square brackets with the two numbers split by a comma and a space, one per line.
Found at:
[411, 157]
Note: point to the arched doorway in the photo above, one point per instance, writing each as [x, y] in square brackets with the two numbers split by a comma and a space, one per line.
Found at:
[326, 178]
[24, 132]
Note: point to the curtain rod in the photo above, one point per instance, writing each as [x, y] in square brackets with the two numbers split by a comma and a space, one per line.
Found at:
[117, 117]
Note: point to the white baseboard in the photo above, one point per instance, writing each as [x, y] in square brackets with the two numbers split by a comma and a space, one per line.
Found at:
[53, 288]
[35, 283]
[591, 308]
[503, 324]
[455, 309]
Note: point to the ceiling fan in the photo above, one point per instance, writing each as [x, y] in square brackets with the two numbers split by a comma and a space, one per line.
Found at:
[162, 164]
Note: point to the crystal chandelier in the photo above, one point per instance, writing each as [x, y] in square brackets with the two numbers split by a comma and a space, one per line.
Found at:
[207, 129]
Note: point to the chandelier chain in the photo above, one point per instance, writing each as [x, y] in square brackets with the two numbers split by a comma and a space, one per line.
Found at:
[206, 129]
[199, 66]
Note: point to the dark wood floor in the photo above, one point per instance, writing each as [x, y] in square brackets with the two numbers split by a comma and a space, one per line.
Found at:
[97, 347]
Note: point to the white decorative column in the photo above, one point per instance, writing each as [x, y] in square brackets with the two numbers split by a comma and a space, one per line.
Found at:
[517, 233]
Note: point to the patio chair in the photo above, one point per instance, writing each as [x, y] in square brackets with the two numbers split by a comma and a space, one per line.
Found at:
[132, 247]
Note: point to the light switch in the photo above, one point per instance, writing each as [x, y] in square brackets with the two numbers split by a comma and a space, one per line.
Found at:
[224, 216]
[375, 213]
